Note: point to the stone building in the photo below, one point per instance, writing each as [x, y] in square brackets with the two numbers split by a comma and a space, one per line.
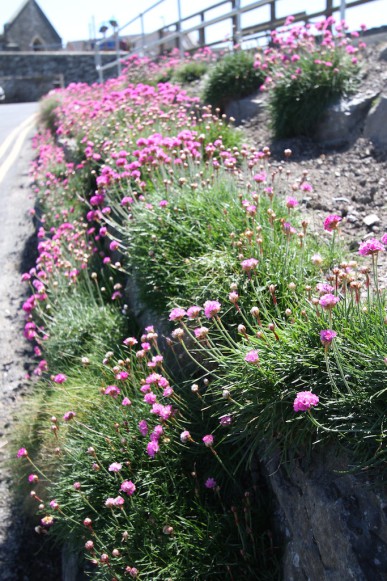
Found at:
[29, 30]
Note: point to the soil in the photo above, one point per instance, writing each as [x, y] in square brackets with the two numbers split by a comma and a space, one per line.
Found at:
[350, 181]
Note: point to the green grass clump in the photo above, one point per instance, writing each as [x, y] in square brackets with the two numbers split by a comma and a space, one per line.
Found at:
[299, 101]
[190, 72]
[233, 77]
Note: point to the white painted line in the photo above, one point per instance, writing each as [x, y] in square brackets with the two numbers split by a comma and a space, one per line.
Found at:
[8, 140]
[12, 156]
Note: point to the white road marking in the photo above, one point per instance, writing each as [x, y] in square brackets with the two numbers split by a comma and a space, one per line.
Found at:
[20, 134]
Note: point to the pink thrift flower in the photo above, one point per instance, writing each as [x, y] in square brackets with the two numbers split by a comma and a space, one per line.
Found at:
[324, 288]
[328, 301]
[177, 314]
[33, 478]
[383, 239]
[128, 487]
[185, 437]
[252, 357]
[331, 222]
[152, 448]
[150, 398]
[327, 336]
[113, 245]
[201, 332]
[60, 378]
[143, 427]
[22, 453]
[211, 308]
[249, 264]
[291, 202]
[115, 467]
[131, 341]
[193, 312]
[208, 440]
[304, 401]
[112, 390]
[163, 203]
[122, 375]
[260, 177]
[371, 246]
[69, 416]
[225, 420]
[126, 401]
[210, 483]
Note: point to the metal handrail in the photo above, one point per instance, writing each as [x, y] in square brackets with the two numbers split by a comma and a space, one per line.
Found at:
[234, 14]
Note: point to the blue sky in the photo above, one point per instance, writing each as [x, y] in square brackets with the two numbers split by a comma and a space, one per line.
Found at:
[75, 19]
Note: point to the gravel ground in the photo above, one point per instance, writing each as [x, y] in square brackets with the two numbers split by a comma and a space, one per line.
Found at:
[350, 181]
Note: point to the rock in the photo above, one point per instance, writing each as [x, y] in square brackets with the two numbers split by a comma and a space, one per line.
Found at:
[342, 122]
[246, 108]
[371, 220]
[383, 53]
[375, 127]
[332, 523]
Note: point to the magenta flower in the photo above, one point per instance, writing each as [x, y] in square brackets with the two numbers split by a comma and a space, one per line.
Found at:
[177, 314]
[331, 222]
[260, 177]
[126, 401]
[210, 483]
[208, 440]
[185, 437]
[193, 312]
[291, 202]
[22, 453]
[112, 390]
[33, 478]
[328, 301]
[211, 308]
[115, 467]
[249, 264]
[131, 341]
[150, 398]
[143, 427]
[152, 448]
[304, 401]
[225, 420]
[201, 332]
[371, 246]
[327, 336]
[324, 288]
[383, 239]
[252, 357]
[69, 416]
[128, 487]
[60, 378]
[113, 245]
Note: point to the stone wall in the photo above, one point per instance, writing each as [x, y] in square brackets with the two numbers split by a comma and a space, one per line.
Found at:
[27, 76]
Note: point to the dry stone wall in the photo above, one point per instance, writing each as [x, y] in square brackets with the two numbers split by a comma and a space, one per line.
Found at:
[27, 76]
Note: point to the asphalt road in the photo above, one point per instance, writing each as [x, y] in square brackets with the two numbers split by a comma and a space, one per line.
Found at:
[16, 231]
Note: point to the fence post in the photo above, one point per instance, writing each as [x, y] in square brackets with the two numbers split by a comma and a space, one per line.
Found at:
[142, 34]
[273, 17]
[329, 8]
[202, 32]
[161, 46]
[178, 29]
[236, 23]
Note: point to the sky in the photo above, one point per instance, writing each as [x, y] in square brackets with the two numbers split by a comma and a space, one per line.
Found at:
[78, 19]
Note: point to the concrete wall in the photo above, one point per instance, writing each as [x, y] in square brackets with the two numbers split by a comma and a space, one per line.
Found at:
[27, 76]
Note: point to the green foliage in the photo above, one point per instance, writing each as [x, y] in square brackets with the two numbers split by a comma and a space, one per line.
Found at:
[190, 72]
[47, 113]
[233, 77]
[298, 101]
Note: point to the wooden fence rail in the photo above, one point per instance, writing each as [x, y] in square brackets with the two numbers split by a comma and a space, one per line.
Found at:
[178, 33]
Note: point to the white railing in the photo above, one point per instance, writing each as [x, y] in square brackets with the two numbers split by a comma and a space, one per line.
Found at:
[147, 44]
